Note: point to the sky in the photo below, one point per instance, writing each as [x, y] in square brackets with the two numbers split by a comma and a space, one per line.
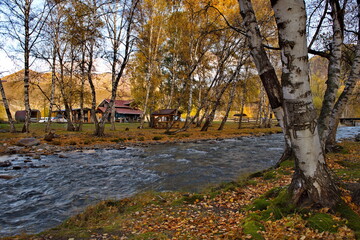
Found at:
[7, 66]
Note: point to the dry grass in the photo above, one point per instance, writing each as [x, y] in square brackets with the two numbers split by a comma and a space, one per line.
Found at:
[128, 133]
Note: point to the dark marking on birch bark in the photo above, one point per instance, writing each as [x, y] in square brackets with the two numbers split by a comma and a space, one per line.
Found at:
[273, 2]
[285, 79]
[303, 58]
[290, 44]
[302, 32]
[298, 85]
[301, 115]
[281, 25]
[273, 89]
[305, 95]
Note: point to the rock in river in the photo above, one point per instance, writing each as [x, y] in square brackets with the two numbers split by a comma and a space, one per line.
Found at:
[28, 142]
[5, 164]
[6, 177]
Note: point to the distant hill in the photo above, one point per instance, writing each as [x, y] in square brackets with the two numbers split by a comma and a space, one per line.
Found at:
[40, 83]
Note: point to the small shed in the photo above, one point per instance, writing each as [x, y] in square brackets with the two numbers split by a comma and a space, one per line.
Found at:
[240, 116]
[165, 118]
[35, 115]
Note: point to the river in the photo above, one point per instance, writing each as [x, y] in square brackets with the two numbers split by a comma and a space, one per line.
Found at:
[38, 198]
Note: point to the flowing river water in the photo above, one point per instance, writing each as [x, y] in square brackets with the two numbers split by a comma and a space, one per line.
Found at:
[40, 198]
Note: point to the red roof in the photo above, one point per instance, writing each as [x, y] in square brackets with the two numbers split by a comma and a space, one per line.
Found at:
[166, 112]
[120, 103]
[123, 110]
[128, 111]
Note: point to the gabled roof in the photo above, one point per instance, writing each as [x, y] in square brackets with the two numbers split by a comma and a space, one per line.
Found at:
[123, 110]
[128, 111]
[166, 112]
[120, 103]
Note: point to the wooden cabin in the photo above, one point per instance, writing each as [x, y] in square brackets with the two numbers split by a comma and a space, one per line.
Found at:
[35, 115]
[165, 118]
[124, 112]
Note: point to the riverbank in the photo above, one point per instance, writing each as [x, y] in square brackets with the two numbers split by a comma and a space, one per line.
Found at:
[252, 207]
[125, 135]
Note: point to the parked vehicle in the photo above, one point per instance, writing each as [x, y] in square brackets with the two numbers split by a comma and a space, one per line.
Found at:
[43, 119]
[59, 119]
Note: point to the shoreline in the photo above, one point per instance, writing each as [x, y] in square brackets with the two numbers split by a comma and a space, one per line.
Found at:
[49, 148]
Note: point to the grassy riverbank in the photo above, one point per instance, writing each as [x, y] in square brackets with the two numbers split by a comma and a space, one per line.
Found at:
[254, 207]
[126, 134]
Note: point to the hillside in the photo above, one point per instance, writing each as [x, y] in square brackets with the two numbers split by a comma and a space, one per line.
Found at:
[40, 88]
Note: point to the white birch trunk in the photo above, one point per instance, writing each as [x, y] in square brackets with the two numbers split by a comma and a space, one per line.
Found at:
[262, 62]
[340, 105]
[334, 68]
[7, 109]
[311, 183]
[27, 66]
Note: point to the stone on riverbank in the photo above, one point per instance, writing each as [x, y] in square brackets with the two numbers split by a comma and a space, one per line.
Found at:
[28, 142]
[357, 138]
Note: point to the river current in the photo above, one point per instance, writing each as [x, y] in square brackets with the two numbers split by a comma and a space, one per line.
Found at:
[38, 198]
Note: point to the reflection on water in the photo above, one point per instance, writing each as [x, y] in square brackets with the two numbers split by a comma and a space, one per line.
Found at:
[46, 191]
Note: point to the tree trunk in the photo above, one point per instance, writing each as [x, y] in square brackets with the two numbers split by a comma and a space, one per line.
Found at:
[82, 88]
[26, 66]
[340, 105]
[7, 109]
[206, 113]
[260, 116]
[243, 96]
[52, 96]
[145, 103]
[312, 184]
[190, 100]
[99, 126]
[334, 68]
[112, 118]
[265, 69]
[231, 100]
[263, 65]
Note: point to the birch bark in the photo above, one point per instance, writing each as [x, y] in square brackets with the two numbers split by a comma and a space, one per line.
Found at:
[334, 68]
[343, 99]
[312, 182]
[340, 104]
[7, 109]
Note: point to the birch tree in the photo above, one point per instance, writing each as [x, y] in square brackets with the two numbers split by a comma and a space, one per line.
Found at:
[312, 182]
[341, 20]
[151, 36]
[24, 25]
[7, 108]
[121, 37]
